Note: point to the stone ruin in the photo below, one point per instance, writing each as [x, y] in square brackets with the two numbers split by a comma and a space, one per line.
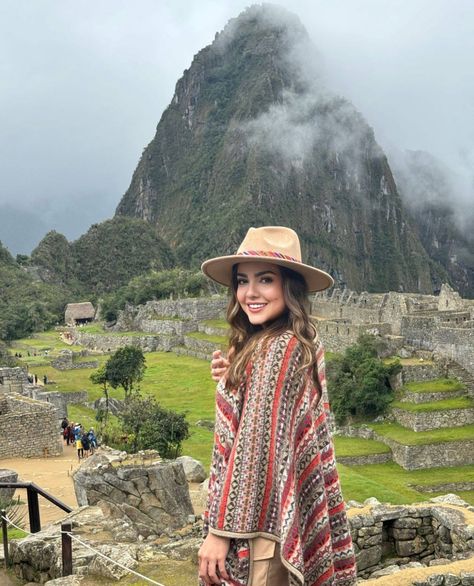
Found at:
[389, 538]
[129, 511]
[19, 415]
[25, 406]
[443, 325]
[133, 512]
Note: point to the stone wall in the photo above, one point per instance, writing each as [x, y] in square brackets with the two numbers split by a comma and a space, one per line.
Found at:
[398, 535]
[112, 342]
[339, 335]
[66, 361]
[455, 343]
[425, 421]
[12, 379]
[422, 372]
[419, 398]
[18, 417]
[417, 457]
[132, 318]
[364, 460]
[55, 398]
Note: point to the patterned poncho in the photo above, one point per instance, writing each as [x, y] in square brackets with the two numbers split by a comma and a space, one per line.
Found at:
[273, 472]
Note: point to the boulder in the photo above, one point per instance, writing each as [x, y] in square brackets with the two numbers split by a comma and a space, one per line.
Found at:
[6, 494]
[193, 469]
[152, 499]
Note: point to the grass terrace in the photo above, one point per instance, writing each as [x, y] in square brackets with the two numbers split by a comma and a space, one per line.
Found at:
[440, 385]
[405, 436]
[216, 323]
[388, 482]
[443, 405]
[219, 340]
[355, 446]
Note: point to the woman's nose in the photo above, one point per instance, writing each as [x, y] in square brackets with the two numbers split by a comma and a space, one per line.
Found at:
[252, 289]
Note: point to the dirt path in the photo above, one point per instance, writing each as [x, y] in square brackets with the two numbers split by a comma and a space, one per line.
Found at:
[53, 475]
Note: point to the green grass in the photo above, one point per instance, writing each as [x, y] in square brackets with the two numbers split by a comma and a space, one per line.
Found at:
[355, 446]
[443, 405]
[82, 414]
[440, 385]
[216, 323]
[13, 533]
[219, 340]
[94, 328]
[390, 483]
[407, 437]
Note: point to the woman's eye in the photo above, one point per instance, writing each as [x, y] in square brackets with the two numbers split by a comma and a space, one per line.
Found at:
[267, 280]
[241, 282]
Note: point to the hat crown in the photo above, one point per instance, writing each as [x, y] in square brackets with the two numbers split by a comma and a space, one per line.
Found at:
[272, 239]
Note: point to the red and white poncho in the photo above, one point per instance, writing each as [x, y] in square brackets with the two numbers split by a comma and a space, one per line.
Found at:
[273, 472]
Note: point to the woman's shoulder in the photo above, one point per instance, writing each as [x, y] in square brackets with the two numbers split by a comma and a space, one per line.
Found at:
[284, 341]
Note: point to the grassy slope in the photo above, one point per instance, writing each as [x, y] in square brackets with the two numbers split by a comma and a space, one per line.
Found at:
[407, 437]
[183, 383]
[441, 385]
[443, 405]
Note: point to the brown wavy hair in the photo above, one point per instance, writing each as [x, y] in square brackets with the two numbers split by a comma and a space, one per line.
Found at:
[244, 336]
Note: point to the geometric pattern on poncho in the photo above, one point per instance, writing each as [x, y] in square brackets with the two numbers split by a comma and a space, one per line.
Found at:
[273, 471]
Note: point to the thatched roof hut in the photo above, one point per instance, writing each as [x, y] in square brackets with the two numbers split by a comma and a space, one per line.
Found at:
[79, 313]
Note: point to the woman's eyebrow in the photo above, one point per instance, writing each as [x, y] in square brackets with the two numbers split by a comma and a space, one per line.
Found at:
[259, 274]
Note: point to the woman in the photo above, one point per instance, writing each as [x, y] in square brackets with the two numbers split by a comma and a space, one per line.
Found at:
[275, 514]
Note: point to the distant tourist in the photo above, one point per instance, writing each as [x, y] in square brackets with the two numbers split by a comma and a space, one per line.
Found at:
[64, 426]
[275, 511]
[45, 380]
[92, 439]
[80, 449]
[85, 445]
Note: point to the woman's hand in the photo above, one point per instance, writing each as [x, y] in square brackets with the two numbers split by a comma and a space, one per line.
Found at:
[219, 366]
[212, 556]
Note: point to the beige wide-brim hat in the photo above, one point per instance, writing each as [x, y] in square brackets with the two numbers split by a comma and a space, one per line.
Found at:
[273, 244]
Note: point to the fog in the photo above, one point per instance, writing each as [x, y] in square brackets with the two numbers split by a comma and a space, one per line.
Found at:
[84, 85]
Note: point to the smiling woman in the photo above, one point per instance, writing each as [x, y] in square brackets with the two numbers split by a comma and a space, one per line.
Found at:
[275, 513]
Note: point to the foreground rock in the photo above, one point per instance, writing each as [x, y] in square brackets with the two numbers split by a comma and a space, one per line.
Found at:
[38, 558]
[150, 500]
[193, 469]
[6, 494]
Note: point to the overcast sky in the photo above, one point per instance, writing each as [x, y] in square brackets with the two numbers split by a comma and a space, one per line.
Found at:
[84, 84]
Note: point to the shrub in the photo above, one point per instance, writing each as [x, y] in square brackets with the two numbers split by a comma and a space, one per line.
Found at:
[359, 382]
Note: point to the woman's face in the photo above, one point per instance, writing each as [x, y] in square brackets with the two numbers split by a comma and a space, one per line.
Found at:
[260, 291]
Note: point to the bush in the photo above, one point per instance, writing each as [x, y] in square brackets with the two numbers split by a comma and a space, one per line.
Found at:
[150, 426]
[359, 382]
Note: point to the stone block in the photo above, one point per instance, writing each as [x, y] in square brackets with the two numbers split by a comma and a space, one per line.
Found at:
[407, 522]
[411, 547]
[403, 534]
[369, 557]
[452, 580]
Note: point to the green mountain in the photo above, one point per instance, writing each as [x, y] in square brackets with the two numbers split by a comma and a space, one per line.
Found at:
[251, 138]
[26, 303]
[104, 259]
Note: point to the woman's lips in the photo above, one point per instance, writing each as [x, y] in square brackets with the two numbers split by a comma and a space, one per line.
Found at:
[256, 307]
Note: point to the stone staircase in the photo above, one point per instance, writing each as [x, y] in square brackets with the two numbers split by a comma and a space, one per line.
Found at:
[455, 370]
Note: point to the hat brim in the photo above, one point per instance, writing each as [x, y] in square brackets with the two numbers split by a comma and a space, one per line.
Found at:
[220, 270]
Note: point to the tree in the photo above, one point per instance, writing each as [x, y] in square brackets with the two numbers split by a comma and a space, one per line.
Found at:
[359, 382]
[137, 412]
[153, 427]
[165, 432]
[125, 368]
[99, 377]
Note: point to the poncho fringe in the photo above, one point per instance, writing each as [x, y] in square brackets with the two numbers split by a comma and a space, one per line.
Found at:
[273, 471]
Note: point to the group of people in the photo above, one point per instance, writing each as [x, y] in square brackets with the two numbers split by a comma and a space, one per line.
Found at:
[75, 434]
